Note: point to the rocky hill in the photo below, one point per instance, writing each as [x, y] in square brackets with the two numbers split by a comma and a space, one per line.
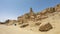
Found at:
[31, 16]
[43, 21]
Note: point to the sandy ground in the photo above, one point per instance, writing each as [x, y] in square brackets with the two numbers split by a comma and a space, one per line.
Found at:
[13, 30]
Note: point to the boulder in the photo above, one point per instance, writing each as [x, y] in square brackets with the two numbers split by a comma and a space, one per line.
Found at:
[46, 27]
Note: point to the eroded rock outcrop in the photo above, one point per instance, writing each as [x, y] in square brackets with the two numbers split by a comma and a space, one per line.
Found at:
[45, 27]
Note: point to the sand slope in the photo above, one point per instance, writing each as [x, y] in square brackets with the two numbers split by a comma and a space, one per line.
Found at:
[13, 30]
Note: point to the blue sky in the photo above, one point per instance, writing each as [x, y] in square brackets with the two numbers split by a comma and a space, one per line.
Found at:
[11, 9]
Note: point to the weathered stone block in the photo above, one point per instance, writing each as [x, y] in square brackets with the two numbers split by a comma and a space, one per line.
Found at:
[45, 27]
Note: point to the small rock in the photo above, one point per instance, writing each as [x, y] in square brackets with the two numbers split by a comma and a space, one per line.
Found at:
[37, 23]
[24, 25]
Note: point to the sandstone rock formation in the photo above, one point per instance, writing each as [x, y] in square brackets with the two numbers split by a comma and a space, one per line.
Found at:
[26, 17]
[31, 16]
[57, 7]
[45, 27]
